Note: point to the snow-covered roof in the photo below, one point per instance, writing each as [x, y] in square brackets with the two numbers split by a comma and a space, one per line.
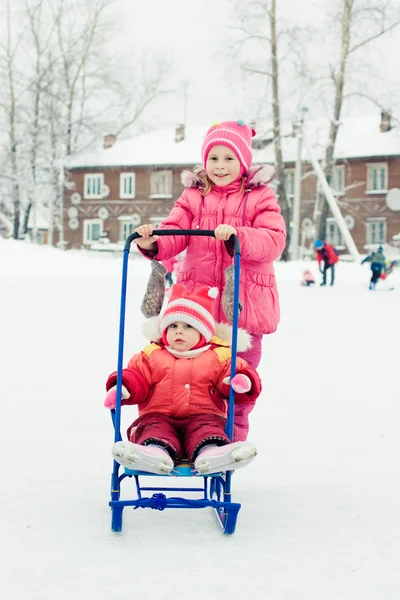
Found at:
[357, 138]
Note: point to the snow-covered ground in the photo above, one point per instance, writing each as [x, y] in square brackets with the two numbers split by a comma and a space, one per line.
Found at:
[320, 515]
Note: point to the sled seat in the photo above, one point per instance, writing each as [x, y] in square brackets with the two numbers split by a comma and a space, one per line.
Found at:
[183, 469]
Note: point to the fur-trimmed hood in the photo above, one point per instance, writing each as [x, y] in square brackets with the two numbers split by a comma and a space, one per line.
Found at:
[222, 334]
[257, 176]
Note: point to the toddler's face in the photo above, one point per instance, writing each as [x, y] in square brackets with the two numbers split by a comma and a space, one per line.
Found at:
[222, 165]
[182, 337]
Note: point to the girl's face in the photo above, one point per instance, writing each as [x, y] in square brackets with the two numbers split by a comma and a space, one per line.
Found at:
[182, 337]
[222, 166]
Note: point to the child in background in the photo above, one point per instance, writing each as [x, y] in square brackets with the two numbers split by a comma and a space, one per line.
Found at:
[378, 266]
[229, 197]
[181, 386]
[308, 278]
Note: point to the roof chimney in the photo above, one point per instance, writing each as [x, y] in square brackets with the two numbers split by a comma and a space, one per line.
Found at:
[386, 124]
[179, 132]
[109, 140]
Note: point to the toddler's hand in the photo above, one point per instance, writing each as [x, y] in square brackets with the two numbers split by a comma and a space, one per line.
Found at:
[241, 383]
[224, 232]
[147, 240]
[111, 397]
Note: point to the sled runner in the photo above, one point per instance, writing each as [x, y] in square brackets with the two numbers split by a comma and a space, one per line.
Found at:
[213, 490]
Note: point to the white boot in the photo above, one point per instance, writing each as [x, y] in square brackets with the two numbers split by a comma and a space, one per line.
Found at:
[151, 459]
[224, 458]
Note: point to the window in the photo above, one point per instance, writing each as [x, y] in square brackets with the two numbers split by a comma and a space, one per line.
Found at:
[127, 185]
[338, 179]
[377, 176]
[93, 185]
[333, 233]
[92, 230]
[376, 231]
[126, 227]
[289, 182]
[161, 184]
[156, 221]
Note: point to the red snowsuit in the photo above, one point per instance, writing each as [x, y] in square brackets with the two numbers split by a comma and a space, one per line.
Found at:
[182, 401]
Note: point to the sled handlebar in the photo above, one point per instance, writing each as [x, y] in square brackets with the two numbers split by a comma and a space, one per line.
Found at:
[203, 232]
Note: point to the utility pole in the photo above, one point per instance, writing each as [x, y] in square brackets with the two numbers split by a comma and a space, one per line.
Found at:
[298, 131]
[332, 203]
[61, 179]
[185, 102]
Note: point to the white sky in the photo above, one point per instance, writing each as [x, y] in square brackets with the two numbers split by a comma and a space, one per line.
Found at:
[320, 509]
[190, 33]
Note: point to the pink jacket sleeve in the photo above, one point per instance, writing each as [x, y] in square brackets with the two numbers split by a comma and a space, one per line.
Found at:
[241, 367]
[266, 239]
[136, 378]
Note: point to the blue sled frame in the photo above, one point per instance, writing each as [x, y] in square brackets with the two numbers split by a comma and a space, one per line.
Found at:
[216, 489]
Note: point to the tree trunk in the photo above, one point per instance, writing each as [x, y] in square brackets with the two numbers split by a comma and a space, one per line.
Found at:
[339, 80]
[280, 167]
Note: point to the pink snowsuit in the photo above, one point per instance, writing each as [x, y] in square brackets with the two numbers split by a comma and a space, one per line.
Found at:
[255, 214]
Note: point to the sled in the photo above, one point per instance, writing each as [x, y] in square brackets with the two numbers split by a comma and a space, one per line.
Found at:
[212, 490]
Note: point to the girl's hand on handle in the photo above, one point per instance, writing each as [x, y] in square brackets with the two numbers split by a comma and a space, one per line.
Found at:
[224, 232]
[147, 241]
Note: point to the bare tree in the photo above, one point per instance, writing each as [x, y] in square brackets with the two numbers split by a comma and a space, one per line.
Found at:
[61, 88]
[276, 49]
[9, 105]
[361, 23]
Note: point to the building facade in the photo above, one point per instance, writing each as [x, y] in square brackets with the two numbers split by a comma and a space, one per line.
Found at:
[130, 182]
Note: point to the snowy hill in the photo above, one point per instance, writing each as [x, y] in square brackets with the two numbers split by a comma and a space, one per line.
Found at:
[320, 504]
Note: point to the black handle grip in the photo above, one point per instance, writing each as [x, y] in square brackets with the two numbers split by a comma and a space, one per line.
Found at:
[203, 232]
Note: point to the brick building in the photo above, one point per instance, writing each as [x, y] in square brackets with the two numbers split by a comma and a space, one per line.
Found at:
[133, 181]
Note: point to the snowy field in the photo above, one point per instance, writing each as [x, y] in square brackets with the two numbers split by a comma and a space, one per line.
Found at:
[320, 517]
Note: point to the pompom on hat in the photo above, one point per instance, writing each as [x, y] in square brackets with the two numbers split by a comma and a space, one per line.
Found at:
[234, 134]
[195, 309]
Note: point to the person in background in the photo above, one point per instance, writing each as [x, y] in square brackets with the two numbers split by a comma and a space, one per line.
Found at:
[378, 265]
[229, 196]
[326, 254]
[308, 278]
[180, 383]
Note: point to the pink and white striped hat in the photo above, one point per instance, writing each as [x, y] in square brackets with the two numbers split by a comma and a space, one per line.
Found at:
[234, 134]
[195, 309]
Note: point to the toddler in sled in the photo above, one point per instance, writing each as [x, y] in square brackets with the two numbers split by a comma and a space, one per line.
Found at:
[180, 383]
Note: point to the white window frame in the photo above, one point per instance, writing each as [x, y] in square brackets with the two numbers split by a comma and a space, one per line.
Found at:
[163, 188]
[126, 227]
[289, 179]
[88, 223]
[339, 189]
[123, 185]
[87, 182]
[371, 167]
[333, 234]
[371, 224]
[156, 221]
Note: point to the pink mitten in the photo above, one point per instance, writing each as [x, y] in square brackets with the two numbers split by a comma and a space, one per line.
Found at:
[111, 398]
[241, 383]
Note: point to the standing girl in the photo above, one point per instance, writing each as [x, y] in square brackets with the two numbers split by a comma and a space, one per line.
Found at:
[229, 197]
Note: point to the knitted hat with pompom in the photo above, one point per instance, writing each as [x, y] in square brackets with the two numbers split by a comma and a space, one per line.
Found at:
[195, 309]
[234, 134]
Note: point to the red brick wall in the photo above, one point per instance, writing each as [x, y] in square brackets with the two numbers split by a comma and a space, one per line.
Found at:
[356, 202]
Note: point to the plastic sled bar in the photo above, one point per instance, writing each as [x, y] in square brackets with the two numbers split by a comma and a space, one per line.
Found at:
[216, 489]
